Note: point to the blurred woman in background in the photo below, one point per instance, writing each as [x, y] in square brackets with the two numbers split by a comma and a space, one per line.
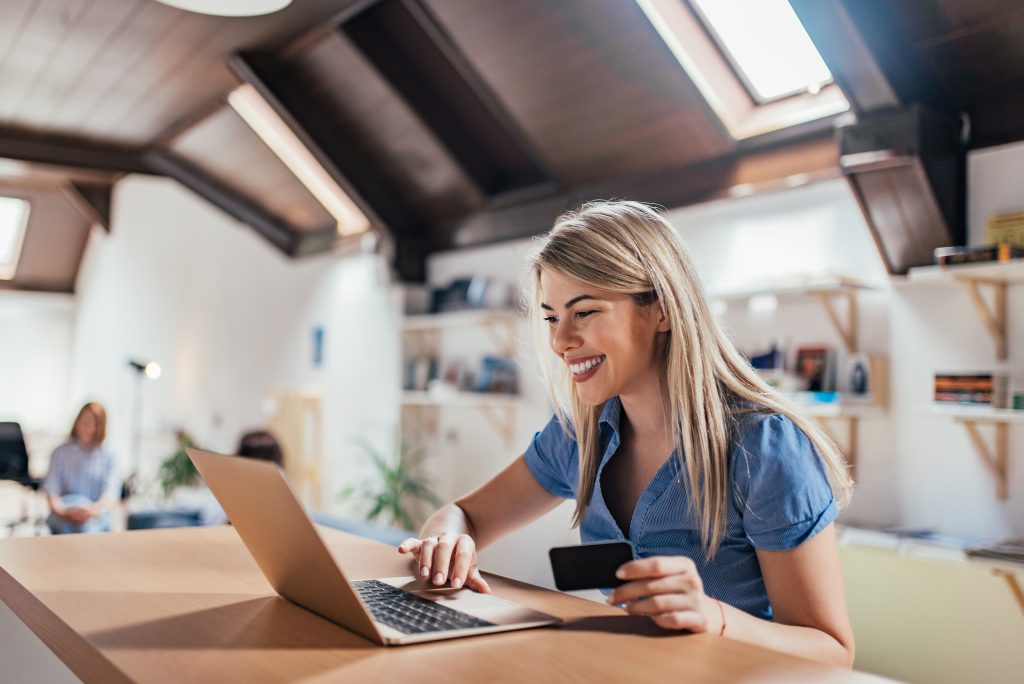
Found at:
[81, 485]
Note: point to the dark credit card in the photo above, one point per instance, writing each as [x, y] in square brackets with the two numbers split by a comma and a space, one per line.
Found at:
[589, 566]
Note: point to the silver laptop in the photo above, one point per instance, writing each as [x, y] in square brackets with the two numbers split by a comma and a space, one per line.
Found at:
[284, 542]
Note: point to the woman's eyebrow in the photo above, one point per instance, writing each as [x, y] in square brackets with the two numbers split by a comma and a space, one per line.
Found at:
[574, 300]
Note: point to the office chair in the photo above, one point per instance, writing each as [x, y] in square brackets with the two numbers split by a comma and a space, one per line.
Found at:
[14, 466]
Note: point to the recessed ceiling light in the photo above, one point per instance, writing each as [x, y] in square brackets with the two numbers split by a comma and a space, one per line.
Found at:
[229, 8]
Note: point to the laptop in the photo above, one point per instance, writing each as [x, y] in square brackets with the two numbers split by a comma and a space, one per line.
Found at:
[389, 611]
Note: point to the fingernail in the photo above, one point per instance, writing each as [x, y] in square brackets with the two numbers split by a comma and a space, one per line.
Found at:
[424, 571]
[620, 574]
[438, 578]
[457, 582]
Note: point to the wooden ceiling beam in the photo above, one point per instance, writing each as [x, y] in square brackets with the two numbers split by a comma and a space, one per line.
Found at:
[743, 173]
[67, 152]
[92, 201]
[343, 161]
[846, 55]
[413, 52]
[229, 200]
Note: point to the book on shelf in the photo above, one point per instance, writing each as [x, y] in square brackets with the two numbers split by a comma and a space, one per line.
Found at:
[947, 256]
[973, 389]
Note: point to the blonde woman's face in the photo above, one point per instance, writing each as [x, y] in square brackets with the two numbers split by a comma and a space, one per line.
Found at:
[86, 428]
[606, 339]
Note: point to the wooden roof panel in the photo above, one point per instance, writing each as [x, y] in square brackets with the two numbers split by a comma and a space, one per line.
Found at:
[580, 75]
[341, 85]
[55, 239]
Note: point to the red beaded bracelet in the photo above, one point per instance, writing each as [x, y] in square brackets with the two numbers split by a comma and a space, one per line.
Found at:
[721, 609]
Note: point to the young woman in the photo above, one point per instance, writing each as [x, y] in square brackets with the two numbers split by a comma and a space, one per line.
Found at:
[81, 485]
[666, 437]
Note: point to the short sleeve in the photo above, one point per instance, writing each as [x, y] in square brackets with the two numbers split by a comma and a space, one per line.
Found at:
[781, 486]
[51, 483]
[552, 458]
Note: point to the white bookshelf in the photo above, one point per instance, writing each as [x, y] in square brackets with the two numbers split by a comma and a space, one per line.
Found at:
[994, 276]
[825, 288]
[460, 319]
[1004, 272]
[459, 399]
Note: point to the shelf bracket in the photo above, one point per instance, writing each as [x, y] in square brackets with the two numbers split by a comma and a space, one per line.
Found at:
[1014, 584]
[994, 318]
[850, 451]
[847, 330]
[995, 458]
[501, 420]
[505, 342]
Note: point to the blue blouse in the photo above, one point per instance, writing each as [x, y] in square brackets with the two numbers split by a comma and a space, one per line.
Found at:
[781, 498]
[74, 470]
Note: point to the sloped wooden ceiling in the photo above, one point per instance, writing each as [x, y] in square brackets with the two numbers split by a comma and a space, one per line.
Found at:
[589, 81]
[455, 121]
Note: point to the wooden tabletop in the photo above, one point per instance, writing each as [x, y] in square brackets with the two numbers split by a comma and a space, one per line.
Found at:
[190, 604]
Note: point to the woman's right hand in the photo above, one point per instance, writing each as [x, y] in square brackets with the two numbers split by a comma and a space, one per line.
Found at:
[446, 557]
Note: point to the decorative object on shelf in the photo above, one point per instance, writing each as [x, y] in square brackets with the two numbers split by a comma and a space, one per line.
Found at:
[816, 365]
[1008, 228]
[867, 378]
[1002, 252]
[177, 469]
[396, 488]
[475, 292]
[971, 389]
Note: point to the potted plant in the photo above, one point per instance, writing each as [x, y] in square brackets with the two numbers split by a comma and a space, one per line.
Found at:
[178, 470]
[395, 488]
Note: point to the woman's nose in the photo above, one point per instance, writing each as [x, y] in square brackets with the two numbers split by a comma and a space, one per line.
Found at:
[564, 338]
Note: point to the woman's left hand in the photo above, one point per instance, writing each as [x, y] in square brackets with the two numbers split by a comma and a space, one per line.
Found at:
[669, 590]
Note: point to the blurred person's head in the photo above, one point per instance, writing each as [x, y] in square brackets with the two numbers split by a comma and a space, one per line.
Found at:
[260, 445]
[90, 427]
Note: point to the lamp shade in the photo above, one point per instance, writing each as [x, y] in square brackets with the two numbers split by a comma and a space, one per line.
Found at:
[229, 8]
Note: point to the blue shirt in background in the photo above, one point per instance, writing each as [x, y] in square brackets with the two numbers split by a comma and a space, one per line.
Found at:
[89, 473]
[780, 498]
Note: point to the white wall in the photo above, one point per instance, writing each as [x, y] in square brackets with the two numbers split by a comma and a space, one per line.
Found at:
[35, 344]
[230, 320]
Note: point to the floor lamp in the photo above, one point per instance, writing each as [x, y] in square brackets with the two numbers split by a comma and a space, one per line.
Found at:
[150, 370]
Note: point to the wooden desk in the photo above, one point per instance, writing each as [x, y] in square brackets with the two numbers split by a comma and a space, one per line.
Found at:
[190, 605]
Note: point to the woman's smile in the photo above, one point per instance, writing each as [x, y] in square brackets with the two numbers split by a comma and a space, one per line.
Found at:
[585, 368]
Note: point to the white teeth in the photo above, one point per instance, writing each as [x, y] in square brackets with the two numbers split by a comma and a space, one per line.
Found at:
[578, 368]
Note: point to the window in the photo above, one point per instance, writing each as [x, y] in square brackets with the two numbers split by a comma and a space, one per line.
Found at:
[751, 60]
[13, 219]
[766, 45]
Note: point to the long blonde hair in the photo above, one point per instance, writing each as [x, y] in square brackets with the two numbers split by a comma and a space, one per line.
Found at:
[629, 248]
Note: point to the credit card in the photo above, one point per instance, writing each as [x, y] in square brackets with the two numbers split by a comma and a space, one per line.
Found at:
[589, 566]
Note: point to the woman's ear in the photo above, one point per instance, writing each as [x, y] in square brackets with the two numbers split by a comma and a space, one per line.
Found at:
[663, 324]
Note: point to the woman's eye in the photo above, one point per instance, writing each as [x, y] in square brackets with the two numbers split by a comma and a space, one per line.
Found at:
[584, 314]
[551, 320]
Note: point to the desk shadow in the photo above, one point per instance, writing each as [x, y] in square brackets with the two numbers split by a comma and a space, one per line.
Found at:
[635, 625]
[264, 623]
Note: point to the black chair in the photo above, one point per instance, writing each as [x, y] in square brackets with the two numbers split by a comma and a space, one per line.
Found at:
[14, 466]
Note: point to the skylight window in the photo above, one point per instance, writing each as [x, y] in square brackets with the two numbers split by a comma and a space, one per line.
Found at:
[13, 218]
[751, 60]
[766, 45]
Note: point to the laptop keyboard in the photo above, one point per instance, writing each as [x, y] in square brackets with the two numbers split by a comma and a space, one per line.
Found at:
[411, 614]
